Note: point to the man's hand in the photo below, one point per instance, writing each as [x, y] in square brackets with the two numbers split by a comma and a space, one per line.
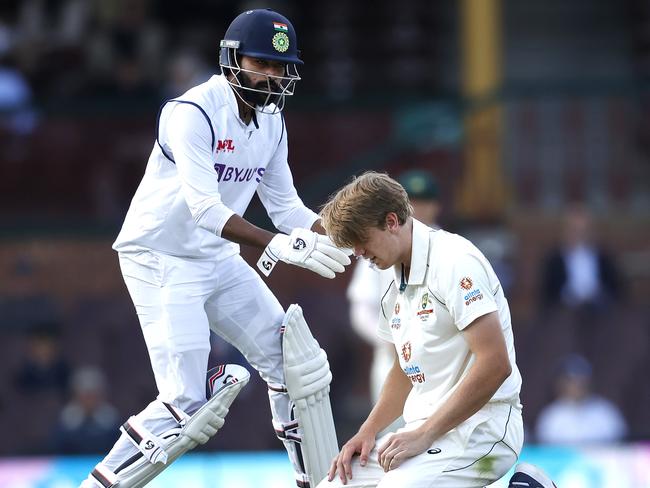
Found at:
[362, 443]
[402, 446]
[306, 249]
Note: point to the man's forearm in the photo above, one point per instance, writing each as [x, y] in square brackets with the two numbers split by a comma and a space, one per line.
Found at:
[391, 401]
[241, 231]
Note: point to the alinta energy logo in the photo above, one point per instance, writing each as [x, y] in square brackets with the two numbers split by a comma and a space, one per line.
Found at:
[414, 373]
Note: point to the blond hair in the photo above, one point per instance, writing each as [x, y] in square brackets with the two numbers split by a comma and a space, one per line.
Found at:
[363, 204]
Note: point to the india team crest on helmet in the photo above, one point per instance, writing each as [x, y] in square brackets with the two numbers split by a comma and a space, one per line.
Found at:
[406, 351]
[466, 283]
[280, 42]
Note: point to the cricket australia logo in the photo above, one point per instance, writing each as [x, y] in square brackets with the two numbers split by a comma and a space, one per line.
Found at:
[426, 307]
[299, 244]
[406, 351]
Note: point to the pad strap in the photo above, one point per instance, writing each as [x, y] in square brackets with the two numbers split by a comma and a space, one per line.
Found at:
[149, 444]
[104, 476]
[287, 431]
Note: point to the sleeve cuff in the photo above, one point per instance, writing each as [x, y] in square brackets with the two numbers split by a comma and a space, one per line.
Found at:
[464, 321]
[300, 217]
[387, 336]
[215, 218]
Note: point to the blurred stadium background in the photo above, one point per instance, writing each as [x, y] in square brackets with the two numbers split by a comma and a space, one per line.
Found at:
[534, 117]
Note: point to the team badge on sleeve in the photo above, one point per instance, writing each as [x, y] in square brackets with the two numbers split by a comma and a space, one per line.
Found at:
[466, 283]
[406, 351]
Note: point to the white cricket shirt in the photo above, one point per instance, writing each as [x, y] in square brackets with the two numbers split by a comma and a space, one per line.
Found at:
[205, 167]
[451, 284]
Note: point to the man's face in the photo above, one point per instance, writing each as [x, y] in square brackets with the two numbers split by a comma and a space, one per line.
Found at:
[261, 80]
[381, 248]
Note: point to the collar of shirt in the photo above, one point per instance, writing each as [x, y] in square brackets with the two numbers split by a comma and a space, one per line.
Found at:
[229, 93]
[419, 257]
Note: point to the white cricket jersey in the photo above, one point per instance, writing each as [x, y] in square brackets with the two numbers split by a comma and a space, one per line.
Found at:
[451, 284]
[205, 167]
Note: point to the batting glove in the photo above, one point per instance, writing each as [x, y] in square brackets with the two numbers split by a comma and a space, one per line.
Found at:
[306, 249]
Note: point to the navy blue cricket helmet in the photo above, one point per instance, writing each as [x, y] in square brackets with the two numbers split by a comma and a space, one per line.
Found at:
[263, 34]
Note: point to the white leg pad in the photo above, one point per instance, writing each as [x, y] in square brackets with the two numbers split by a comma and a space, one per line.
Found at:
[307, 377]
[197, 429]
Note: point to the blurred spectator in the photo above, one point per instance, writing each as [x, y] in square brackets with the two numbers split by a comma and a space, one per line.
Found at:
[579, 416]
[368, 284]
[88, 424]
[16, 113]
[18, 119]
[125, 54]
[49, 40]
[186, 69]
[44, 368]
[579, 273]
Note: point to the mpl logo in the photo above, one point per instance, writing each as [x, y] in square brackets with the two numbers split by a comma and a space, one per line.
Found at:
[225, 145]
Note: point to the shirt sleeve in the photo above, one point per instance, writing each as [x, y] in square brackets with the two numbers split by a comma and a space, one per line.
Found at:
[468, 290]
[279, 196]
[189, 137]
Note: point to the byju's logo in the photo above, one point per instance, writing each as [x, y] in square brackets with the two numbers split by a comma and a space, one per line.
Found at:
[230, 173]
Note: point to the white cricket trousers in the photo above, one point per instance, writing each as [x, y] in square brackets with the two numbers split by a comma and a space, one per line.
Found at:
[178, 301]
[476, 453]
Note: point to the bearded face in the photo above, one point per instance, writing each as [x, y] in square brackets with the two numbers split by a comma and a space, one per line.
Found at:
[258, 98]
